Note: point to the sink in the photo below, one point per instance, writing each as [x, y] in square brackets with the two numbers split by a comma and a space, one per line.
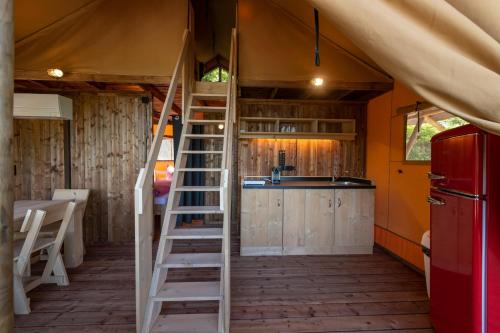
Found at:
[344, 183]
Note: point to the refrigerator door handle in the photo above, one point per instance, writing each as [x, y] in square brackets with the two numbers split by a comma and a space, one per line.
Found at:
[434, 201]
[433, 176]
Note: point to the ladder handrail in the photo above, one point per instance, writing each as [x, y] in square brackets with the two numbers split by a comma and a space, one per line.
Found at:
[227, 177]
[143, 187]
[143, 193]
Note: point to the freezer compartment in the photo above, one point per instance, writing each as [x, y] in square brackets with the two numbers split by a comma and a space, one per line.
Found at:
[457, 161]
[456, 225]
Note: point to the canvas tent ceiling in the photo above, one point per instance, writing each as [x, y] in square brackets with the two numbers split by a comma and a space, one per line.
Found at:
[100, 37]
[447, 51]
[277, 47]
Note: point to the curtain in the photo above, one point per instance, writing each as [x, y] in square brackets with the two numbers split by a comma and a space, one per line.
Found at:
[448, 52]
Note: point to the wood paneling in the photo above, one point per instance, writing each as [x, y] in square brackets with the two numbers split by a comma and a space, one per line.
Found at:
[401, 247]
[402, 187]
[310, 157]
[110, 139]
[110, 136]
[38, 158]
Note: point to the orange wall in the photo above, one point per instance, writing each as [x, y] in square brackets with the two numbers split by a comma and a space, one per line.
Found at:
[401, 209]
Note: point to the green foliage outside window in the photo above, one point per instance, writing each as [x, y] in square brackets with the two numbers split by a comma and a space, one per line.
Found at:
[421, 149]
[213, 75]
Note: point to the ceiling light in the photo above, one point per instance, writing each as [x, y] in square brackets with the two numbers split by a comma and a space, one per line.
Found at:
[221, 126]
[317, 81]
[55, 72]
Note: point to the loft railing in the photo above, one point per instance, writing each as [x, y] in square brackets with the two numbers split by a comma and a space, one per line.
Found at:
[143, 193]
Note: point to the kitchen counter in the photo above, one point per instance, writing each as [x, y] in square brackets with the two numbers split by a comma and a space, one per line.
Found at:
[307, 216]
[292, 182]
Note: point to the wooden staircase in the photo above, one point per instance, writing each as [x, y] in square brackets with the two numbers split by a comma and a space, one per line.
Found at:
[207, 106]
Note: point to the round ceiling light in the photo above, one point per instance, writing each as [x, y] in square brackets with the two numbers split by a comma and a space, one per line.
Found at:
[317, 81]
[55, 72]
[221, 126]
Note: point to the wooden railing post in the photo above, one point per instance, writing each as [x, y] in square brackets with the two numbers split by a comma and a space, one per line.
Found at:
[6, 163]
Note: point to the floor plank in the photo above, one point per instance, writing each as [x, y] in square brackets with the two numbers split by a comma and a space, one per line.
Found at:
[365, 293]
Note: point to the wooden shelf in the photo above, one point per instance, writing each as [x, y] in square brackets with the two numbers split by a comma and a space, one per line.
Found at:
[297, 128]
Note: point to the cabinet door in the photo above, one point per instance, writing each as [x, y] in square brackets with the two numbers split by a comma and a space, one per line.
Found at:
[261, 222]
[308, 222]
[354, 210]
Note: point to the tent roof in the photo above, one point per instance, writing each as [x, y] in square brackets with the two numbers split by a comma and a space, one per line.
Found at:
[112, 37]
[87, 37]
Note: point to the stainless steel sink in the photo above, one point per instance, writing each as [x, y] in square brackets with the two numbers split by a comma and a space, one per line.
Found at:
[344, 183]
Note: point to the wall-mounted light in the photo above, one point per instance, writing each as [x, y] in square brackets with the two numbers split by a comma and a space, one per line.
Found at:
[55, 72]
[221, 126]
[317, 81]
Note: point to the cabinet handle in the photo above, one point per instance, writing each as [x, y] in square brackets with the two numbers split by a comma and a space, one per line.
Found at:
[330, 203]
[279, 202]
[436, 202]
[433, 176]
[339, 202]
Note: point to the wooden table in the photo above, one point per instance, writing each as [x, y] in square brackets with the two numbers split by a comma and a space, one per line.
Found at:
[73, 242]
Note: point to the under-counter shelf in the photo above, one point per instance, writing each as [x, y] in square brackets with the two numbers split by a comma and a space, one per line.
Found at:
[297, 128]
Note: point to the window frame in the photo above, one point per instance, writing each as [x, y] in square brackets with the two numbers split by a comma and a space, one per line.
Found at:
[421, 106]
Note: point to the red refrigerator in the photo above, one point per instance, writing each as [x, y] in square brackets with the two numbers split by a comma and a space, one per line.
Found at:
[465, 231]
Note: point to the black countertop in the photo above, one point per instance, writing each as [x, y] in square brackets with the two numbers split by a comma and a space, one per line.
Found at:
[311, 183]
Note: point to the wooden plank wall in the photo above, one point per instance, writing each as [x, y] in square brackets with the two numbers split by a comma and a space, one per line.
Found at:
[256, 157]
[38, 158]
[310, 157]
[110, 137]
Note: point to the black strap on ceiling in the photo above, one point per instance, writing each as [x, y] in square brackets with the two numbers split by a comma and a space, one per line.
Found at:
[316, 29]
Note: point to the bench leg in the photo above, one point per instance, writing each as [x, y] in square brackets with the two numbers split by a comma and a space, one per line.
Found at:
[21, 301]
[60, 272]
[55, 265]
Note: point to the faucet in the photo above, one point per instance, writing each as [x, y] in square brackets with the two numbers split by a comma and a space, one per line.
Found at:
[276, 171]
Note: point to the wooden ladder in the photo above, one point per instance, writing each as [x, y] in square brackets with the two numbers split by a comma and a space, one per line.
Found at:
[213, 118]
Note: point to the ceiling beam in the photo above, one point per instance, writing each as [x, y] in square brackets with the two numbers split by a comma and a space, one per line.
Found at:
[294, 101]
[158, 94]
[69, 76]
[337, 85]
[97, 85]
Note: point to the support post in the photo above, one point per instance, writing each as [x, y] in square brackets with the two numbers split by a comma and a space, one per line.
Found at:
[6, 163]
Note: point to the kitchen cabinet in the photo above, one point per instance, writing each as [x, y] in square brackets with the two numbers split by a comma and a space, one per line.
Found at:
[262, 222]
[299, 220]
[308, 226]
[354, 221]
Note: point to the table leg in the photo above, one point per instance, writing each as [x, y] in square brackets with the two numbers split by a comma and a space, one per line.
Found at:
[73, 241]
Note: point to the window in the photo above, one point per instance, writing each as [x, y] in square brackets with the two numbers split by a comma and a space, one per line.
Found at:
[421, 126]
[217, 74]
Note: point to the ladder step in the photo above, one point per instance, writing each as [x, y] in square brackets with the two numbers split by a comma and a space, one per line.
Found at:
[204, 108]
[202, 136]
[185, 260]
[198, 189]
[201, 151]
[205, 122]
[200, 169]
[195, 233]
[207, 96]
[197, 210]
[187, 323]
[189, 292]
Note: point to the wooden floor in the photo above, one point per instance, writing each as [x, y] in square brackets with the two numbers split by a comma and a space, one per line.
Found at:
[269, 294]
